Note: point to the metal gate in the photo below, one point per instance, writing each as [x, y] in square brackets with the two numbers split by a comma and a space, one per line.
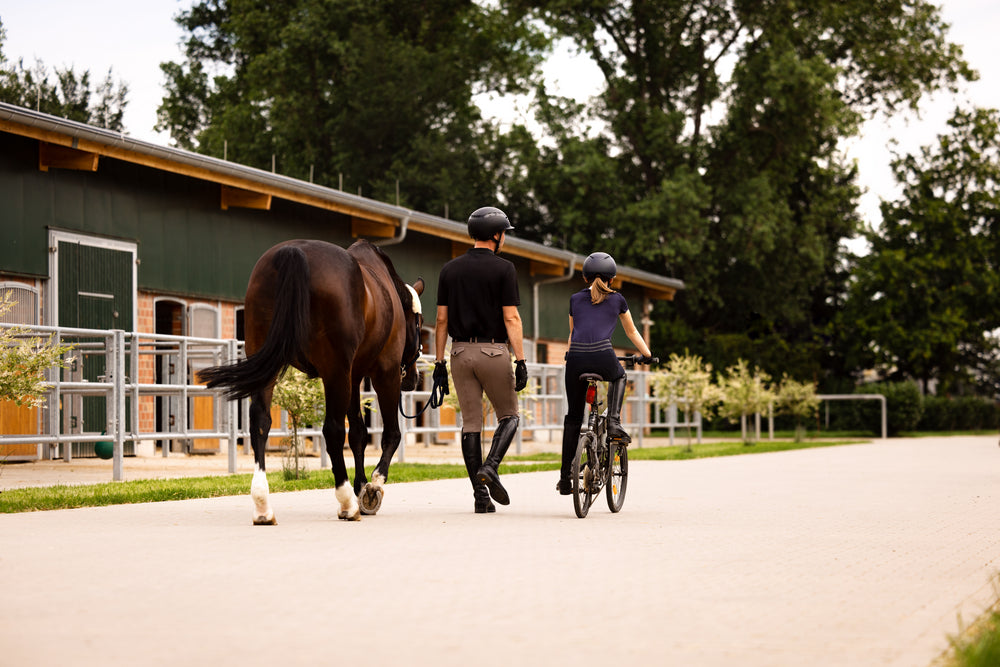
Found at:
[94, 288]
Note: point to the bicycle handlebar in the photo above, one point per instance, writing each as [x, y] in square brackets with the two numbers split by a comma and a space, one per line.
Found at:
[632, 359]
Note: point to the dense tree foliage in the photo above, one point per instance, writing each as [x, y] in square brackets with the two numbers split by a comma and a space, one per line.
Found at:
[68, 95]
[926, 301]
[370, 92]
[716, 158]
[712, 153]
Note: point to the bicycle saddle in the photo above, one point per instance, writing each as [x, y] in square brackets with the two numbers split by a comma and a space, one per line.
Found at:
[587, 377]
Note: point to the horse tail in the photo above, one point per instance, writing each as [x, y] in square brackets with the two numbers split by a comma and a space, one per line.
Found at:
[287, 338]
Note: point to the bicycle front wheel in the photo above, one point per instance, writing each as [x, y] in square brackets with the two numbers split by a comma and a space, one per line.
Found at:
[618, 477]
[583, 473]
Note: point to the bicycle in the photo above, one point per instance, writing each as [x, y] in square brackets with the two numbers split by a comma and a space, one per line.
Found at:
[599, 463]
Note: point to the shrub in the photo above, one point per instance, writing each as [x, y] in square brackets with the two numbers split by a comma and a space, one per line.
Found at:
[903, 402]
[966, 413]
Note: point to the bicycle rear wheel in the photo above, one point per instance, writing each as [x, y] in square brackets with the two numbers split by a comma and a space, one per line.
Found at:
[583, 473]
[618, 477]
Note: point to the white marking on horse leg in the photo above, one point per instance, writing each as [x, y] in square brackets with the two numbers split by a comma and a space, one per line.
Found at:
[378, 479]
[349, 509]
[259, 489]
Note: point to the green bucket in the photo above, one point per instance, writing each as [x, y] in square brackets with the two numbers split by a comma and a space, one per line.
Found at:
[104, 449]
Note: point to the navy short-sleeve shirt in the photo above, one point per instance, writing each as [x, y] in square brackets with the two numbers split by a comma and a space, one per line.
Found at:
[595, 322]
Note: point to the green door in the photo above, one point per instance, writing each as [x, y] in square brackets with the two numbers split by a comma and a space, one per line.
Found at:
[96, 291]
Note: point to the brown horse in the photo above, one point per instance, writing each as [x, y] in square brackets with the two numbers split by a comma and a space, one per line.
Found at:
[341, 315]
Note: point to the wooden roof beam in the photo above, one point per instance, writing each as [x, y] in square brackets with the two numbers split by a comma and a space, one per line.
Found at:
[54, 156]
[539, 268]
[239, 198]
[659, 294]
[375, 228]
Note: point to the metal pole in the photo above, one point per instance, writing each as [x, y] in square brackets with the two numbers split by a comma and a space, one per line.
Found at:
[116, 413]
[232, 407]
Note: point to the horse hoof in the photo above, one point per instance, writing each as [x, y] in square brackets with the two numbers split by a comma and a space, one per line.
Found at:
[344, 516]
[371, 499]
[265, 521]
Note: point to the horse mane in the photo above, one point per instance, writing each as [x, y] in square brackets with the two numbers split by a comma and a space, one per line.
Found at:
[366, 246]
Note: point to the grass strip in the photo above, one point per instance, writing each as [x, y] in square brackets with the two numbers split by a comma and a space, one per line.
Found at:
[158, 490]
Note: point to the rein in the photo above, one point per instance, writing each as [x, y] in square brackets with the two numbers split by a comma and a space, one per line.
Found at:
[435, 401]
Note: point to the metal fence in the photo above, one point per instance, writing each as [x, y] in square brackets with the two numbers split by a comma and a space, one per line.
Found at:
[121, 382]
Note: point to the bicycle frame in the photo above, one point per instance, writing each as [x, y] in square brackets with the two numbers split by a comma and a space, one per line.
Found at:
[599, 464]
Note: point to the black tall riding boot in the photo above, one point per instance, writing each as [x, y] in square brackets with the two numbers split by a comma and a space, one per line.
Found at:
[472, 452]
[571, 436]
[487, 473]
[616, 396]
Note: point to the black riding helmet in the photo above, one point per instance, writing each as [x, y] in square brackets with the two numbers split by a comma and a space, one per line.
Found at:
[599, 264]
[486, 222]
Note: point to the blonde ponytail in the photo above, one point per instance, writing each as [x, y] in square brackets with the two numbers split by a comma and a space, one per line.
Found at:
[599, 290]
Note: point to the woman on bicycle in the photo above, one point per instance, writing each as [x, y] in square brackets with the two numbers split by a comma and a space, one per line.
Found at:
[593, 313]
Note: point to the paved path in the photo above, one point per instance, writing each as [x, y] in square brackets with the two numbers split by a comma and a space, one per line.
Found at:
[856, 555]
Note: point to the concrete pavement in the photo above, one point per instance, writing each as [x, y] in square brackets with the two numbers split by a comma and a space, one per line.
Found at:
[855, 555]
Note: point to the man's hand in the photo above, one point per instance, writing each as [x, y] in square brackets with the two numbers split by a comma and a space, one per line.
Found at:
[520, 375]
[441, 375]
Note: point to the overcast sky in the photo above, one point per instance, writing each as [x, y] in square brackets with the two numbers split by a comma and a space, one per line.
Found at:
[133, 37]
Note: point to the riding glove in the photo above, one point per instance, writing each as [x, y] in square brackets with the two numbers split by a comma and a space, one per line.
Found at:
[441, 375]
[520, 375]
[645, 361]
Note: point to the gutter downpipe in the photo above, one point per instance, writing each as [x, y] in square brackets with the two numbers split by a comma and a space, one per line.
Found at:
[534, 302]
[403, 224]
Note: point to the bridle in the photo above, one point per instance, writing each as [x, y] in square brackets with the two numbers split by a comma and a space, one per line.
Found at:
[437, 397]
[418, 349]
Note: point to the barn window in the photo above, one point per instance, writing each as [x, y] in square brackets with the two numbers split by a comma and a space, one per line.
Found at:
[204, 321]
[25, 310]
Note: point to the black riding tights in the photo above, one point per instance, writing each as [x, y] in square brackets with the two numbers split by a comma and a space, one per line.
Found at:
[602, 362]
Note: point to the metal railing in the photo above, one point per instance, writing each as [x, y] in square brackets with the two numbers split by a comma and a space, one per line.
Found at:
[130, 371]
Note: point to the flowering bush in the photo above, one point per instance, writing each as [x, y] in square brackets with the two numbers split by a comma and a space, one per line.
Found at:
[686, 381]
[799, 400]
[745, 392]
[23, 362]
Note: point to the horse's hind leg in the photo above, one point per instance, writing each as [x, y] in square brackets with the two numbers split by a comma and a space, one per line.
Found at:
[260, 426]
[357, 436]
[334, 432]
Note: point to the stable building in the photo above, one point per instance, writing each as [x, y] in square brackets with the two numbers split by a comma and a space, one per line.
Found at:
[103, 231]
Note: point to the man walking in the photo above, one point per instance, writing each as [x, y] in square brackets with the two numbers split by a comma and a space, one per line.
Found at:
[477, 306]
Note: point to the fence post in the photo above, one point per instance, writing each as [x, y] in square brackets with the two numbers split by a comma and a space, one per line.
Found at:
[115, 363]
[231, 408]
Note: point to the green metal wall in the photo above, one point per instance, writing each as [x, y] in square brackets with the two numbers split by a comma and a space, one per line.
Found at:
[189, 246]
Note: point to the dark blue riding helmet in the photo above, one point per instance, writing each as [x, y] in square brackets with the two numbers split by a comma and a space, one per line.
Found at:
[599, 264]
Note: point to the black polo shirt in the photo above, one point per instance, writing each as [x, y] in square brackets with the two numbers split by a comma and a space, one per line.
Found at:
[475, 287]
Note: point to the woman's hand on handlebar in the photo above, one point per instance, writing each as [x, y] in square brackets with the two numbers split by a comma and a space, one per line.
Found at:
[633, 359]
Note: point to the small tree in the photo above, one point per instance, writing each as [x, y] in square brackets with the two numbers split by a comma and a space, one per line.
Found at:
[799, 400]
[745, 393]
[304, 400]
[24, 360]
[687, 382]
